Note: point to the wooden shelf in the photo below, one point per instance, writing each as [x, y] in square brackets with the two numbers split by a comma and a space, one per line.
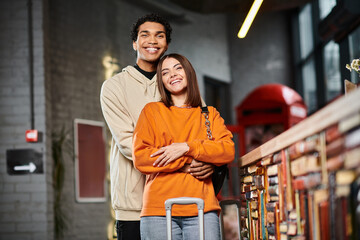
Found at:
[325, 117]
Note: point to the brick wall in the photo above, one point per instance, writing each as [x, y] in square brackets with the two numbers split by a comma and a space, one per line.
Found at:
[23, 198]
[77, 43]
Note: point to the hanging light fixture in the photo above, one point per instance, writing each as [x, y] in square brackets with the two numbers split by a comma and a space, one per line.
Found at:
[249, 18]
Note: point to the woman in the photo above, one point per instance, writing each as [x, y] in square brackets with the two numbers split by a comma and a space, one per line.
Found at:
[168, 136]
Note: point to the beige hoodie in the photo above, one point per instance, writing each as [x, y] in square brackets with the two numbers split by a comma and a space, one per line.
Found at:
[122, 98]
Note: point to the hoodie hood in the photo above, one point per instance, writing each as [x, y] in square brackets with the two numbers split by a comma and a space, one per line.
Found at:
[148, 85]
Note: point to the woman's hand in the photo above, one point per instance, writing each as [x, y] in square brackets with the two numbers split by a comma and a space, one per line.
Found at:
[169, 154]
[201, 170]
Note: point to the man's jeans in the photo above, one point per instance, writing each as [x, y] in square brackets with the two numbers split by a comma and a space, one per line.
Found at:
[183, 228]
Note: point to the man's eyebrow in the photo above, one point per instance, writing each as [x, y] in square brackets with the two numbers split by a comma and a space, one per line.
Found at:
[147, 31]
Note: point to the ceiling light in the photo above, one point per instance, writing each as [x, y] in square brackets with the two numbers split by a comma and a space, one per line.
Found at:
[249, 18]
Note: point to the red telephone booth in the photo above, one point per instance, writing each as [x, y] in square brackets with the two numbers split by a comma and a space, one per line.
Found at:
[266, 112]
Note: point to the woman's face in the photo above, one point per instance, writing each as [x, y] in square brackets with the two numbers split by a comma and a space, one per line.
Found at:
[173, 76]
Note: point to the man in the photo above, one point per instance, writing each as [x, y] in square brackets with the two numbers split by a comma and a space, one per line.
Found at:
[122, 98]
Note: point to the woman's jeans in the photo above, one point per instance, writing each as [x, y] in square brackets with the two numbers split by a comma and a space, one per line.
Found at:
[183, 228]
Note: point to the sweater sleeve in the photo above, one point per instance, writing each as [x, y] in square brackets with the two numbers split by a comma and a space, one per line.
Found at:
[145, 143]
[218, 151]
[117, 117]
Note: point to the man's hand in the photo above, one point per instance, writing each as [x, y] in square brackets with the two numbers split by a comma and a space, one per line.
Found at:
[169, 154]
[201, 170]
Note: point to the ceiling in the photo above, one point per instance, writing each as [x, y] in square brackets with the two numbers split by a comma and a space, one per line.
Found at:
[223, 6]
[174, 9]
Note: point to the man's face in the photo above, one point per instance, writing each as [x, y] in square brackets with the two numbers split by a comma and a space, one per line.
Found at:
[150, 44]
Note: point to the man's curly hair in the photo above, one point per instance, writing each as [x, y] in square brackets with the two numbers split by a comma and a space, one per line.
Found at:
[152, 17]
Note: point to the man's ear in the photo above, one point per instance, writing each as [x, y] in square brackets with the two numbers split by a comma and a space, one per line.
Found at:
[134, 46]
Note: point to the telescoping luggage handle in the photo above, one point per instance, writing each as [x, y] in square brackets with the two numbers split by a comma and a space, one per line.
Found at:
[185, 201]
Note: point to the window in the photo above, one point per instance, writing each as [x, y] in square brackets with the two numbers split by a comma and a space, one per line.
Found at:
[326, 37]
[306, 32]
[331, 60]
[307, 62]
[325, 7]
[309, 85]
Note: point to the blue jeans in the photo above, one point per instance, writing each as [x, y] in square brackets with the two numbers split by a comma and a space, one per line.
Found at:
[183, 228]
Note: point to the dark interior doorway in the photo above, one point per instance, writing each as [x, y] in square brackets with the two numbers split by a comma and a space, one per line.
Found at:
[217, 94]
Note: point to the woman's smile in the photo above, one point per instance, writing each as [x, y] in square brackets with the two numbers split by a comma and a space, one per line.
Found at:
[174, 76]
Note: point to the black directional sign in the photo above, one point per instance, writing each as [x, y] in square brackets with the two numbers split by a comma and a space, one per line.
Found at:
[24, 161]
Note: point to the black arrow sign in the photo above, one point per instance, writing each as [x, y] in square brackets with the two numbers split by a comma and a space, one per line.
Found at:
[24, 161]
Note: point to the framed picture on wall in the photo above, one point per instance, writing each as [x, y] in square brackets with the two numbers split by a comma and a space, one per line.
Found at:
[90, 161]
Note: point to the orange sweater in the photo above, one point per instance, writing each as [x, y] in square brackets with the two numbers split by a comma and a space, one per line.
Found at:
[159, 126]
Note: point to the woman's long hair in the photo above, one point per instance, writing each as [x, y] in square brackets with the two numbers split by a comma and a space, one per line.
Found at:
[193, 97]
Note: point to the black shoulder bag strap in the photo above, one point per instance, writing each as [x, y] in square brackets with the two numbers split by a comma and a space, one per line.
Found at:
[222, 171]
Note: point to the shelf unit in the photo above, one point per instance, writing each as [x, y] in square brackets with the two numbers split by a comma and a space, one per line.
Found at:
[305, 183]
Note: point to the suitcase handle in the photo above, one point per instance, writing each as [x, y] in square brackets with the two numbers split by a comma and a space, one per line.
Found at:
[224, 203]
[185, 201]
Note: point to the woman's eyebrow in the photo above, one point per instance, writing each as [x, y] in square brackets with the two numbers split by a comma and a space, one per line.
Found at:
[173, 66]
